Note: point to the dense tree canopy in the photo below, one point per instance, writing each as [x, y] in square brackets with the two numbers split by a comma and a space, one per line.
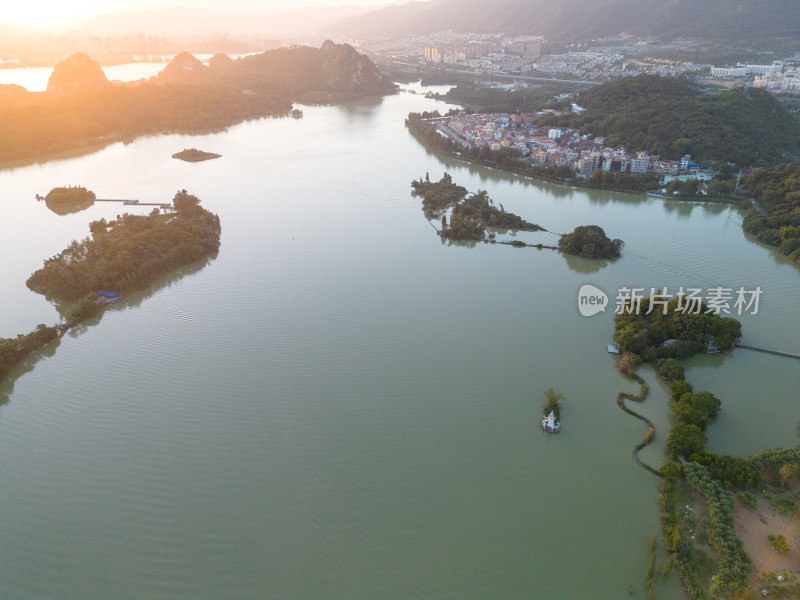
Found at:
[777, 190]
[590, 241]
[645, 330]
[670, 117]
[69, 195]
[128, 252]
[13, 350]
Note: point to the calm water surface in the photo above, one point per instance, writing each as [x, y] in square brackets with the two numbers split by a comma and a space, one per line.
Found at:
[339, 405]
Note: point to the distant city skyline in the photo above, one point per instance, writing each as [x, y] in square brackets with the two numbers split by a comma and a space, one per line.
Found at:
[41, 14]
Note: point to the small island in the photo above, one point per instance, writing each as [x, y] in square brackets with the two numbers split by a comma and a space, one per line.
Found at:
[194, 155]
[296, 113]
[551, 422]
[70, 199]
[590, 241]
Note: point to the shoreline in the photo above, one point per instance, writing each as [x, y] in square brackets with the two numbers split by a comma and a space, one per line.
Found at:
[572, 183]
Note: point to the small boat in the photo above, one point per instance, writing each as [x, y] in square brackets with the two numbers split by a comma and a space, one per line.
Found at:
[550, 423]
[613, 348]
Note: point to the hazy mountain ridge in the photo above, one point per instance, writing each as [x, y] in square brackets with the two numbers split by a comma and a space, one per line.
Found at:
[187, 96]
[716, 20]
[333, 68]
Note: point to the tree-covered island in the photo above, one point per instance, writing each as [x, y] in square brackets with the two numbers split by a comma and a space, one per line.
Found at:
[590, 241]
[69, 199]
[69, 195]
[195, 155]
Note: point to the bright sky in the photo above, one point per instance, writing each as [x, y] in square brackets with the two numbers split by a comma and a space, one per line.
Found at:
[43, 13]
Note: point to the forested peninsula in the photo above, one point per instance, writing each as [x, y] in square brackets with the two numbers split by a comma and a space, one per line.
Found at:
[122, 255]
[700, 491]
[777, 192]
[81, 108]
[127, 253]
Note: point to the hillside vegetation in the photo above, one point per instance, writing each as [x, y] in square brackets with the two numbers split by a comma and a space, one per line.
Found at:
[777, 190]
[670, 117]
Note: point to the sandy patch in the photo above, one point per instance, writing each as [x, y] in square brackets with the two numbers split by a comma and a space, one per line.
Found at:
[754, 525]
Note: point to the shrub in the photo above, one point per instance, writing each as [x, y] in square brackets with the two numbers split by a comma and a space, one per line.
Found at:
[747, 499]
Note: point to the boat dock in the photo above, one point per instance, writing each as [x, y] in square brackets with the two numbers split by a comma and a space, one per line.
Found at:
[768, 350]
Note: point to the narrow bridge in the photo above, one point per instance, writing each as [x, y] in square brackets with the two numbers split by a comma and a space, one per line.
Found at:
[133, 202]
[768, 350]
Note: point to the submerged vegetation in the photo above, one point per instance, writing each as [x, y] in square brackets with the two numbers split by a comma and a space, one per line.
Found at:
[471, 214]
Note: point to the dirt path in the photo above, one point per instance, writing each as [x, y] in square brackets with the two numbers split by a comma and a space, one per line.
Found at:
[753, 527]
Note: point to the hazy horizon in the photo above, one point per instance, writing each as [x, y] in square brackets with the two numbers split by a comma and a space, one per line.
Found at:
[51, 15]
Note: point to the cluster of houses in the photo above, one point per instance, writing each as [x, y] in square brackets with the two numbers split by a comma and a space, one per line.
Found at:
[548, 146]
[787, 82]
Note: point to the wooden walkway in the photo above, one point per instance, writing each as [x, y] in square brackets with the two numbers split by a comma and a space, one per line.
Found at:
[133, 202]
[768, 350]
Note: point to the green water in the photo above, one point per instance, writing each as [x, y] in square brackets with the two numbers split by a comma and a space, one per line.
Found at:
[339, 405]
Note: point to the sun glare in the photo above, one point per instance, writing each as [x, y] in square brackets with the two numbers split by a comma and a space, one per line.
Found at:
[42, 14]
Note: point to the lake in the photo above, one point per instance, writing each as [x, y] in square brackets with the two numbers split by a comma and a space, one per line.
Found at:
[341, 405]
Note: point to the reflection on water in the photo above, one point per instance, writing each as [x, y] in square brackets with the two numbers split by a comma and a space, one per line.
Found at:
[23, 367]
[341, 405]
[131, 300]
[580, 264]
[62, 208]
